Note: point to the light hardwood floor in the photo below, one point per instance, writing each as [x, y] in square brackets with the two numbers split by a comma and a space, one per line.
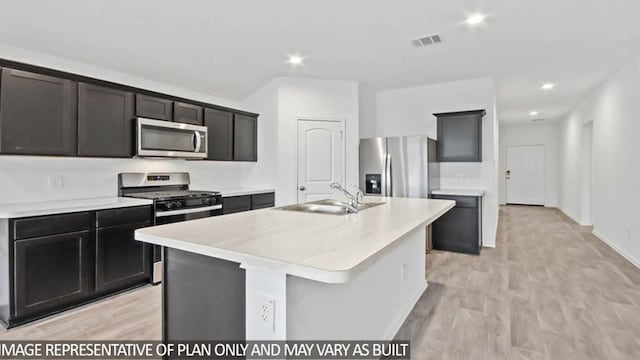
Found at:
[549, 290]
[134, 315]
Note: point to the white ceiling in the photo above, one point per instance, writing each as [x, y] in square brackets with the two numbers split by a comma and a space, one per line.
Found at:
[230, 48]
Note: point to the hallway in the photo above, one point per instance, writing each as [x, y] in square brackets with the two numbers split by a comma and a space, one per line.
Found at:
[549, 290]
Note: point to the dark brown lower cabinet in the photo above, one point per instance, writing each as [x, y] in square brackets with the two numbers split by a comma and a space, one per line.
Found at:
[54, 262]
[52, 271]
[234, 204]
[121, 261]
[460, 229]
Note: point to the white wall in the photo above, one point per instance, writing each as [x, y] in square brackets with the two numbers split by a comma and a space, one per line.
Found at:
[368, 112]
[409, 112]
[545, 134]
[615, 150]
[24, 178]
[299, 98]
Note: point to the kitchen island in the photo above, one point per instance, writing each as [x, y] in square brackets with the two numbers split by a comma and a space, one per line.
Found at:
[273, 274]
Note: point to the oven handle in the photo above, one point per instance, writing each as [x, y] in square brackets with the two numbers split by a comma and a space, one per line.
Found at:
[187, 211]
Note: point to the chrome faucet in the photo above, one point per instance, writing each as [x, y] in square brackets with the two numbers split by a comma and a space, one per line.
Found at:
[354, 200]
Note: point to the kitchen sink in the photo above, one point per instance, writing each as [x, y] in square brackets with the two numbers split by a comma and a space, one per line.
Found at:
[329, 206]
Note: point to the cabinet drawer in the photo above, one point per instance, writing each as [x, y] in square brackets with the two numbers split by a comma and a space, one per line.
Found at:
[51, 225]
[121, 216]
[236, 204]
[260, 201]
[461, 201]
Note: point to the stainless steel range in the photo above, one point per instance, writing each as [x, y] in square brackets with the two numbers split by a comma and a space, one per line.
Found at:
[172, 199]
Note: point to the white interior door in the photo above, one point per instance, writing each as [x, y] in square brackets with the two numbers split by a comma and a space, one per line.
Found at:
[525, 175]
[320, 158]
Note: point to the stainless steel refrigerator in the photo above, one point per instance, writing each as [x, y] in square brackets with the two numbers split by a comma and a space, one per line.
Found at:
[403, 166]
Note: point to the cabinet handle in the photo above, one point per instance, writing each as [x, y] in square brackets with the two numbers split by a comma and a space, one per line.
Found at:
[302, 188]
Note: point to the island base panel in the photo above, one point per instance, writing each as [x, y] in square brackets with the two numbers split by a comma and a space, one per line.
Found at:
[371, 306]
[203, 298]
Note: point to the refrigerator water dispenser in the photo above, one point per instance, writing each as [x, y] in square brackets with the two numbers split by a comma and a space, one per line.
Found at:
[373, 184]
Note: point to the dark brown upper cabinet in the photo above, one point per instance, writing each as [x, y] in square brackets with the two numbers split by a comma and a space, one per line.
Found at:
[105, 121]
[187, 113]
[154, 107]
[220, 134]
[37, 114]
[460, 136]
[245, 138]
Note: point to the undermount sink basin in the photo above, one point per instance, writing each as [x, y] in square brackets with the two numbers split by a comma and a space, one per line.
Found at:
[328, 206]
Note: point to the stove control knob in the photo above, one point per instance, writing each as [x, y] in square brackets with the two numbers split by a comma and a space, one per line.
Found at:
[168, 205]
[206, 201]
[178, 204]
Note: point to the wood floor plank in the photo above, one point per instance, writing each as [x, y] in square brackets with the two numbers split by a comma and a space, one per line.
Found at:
[525, 330]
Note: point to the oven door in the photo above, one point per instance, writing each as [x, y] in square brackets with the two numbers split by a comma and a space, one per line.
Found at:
[168, 217]
[156, 138]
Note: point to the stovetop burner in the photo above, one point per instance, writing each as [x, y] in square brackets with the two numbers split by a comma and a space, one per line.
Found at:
[176, 194]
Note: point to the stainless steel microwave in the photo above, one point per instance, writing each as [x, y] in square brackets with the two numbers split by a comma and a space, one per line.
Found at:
[156, 138]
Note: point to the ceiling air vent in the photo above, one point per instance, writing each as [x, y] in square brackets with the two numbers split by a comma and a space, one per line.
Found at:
[427, 40]
[538, 120]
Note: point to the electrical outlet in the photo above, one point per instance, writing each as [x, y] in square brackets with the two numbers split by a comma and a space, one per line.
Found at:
[267, 312]
[403, 273]
[55, 182]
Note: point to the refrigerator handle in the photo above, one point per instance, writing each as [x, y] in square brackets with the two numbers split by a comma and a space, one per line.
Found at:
[387, 170]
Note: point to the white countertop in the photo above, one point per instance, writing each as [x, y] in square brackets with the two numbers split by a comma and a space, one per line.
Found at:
[322, 247]
[458, 192]
[239, 191]
[10, 211]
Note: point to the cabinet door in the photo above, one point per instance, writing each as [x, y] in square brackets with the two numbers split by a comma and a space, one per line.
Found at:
[457, 230]
[121, 261]
[37, 114]
[105, 121]
[460, 136]
[220, 134]
[154, 107]
[52, 271]
[245, 138]
[187, 113]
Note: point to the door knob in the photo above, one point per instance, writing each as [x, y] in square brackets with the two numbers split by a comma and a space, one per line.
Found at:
[302, 188]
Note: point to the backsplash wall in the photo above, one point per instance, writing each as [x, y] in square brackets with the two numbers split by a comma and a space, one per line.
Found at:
[25, 178]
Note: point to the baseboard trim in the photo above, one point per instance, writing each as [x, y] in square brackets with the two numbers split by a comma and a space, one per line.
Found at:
[579, 222]
[488, 245]
[616, 248]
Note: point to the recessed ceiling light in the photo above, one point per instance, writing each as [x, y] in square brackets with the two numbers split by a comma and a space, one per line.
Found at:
[533, 113]
[475, 19]
[548, 86]
[295, 60]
